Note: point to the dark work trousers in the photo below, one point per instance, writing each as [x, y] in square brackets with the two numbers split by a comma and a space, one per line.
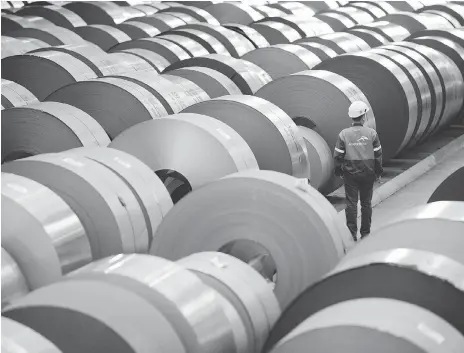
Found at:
[358, 187]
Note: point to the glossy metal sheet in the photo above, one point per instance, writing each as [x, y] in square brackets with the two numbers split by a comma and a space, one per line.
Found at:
[120, 103]
[48, 127]
[58, 15]
[15, 95]
[14, 284]
[373, 324]
[296, 225]
[44, 241]
[104, 36]
[193, 308]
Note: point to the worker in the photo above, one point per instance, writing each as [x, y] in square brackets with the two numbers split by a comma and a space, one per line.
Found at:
[358, 160]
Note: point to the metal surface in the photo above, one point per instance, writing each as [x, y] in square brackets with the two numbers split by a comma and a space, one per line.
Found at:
[48, 127]
[234, 13]
[424, 279]
[14, 284]
[341, 43]
[45, 242]
[199, 14]
[283, 59]
[136, 30]
[375, 11]
[155, 60]
[114, 102]
[124, 62]
[322, 51]
[20, 338]
[450, 189]
[92, 321]
[14, 22]
[359, 16]
[256, 38]
[246, 75]
[14, 46]
[251, 294]
[191, 46]
[58, 15]
[372, 38]
[50, 35]
[214, 83]
[98, 197]
[182, 16]
[276, 33]
[296, 226]
[394, 32]
[269, 131]
[373, 324]
[93, 12]
[336, 21]
[454, 10]
[106, 37]
[15, 95]
[193, 308]
[209, 42]
[163, 21]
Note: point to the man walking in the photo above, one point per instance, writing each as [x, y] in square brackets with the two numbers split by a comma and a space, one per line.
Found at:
[358, 160]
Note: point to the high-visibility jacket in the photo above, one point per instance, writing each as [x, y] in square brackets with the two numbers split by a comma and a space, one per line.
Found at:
[358, 152]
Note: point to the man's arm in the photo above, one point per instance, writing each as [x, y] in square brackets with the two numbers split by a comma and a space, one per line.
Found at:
[377, 155]
[339, 155]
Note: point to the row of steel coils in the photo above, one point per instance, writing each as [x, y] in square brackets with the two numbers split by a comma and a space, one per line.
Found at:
[238, 261]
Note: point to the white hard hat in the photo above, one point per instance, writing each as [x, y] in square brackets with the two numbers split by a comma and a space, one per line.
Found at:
[357, 109]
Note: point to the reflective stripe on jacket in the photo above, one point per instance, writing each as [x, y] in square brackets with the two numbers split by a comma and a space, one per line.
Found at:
[358, 151]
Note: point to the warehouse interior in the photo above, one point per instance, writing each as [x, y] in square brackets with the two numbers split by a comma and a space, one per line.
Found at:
[168, 180]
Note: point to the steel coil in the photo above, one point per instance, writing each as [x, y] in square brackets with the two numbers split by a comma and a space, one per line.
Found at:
[322, 51]
[283, 59]
[436, 21]
[14, 46]
[199, 14]
[104, 13]
[50, 35]
[145, 8]
[14, 284]
[268, 11]
[234, 13]
[319, 6]
[271, 134]
[411, 21]
[243, 287]
[306, 27]
[14, 95]
[392, 31]
[215, 150]
[58, 15]
[45, 72]
[246, 75]
[357, 15]
[156, 61]
[373, 324]
[294, 8]
[104, 36]
[372, 38]
[261, 213]
[92, 321]
[383, 5]
[417, 277]
[341, 43]
[210, 43]
[169, 50]
[182, 16]
[236, 43]
[450, 189]
[375, 11]
[45, 242]
[336, 21]
[191, 46]
[410, 5]
[214, 83]
[164, 22]
[199, 4]
[394, 104]
[16, 337]
[136, 30]
[276, 33]
[114, 102]
[194, 309]
[455, 11]
[319, 158]
[256, 38]
[12, 23]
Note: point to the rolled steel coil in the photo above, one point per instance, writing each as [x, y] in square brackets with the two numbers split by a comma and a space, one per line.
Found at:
[437, 21]
[268, 11]
[417, 277]
[372, 38]
[199, 14]
[169, 50]
[44, 72]
[435, 227]
[246, 75]
[249, 293]
[322, 51]
[106, 37]
[214, 83]
[357, 15]
[319, 6]
[17, 336]
[305, 27]
[236, 43]
[414, 22]
[75, 320]
[341, 43]
[48, 127]
[455, 35]
[392, 31]
[14, 46]
[14, 284]
[14, 95]
[50, 35]
[158, 62]
[294, 8]
[146, 9]
[256, 38]
[13, 22]
[450, 189]
[151, 194]
[410, 5]
[102, 13]
[315, 95]
[45, 242]
[257, 208]
[114, 102]
[319, 158]
[236, 12]
[376, 12]
[215, 150]
[158, 5]
[455, 11]
[58, 15]
[271, 134]
[101, 199]
[199, 4]
[276, 33]
[283, 59]
[453, 20]
[182, 16]
[163, 21]
[394, 105]
[136, 29]
[373, 324]
[383, 5]
[210, 43]
[191, 46]
[338, 22]
[124, 62]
